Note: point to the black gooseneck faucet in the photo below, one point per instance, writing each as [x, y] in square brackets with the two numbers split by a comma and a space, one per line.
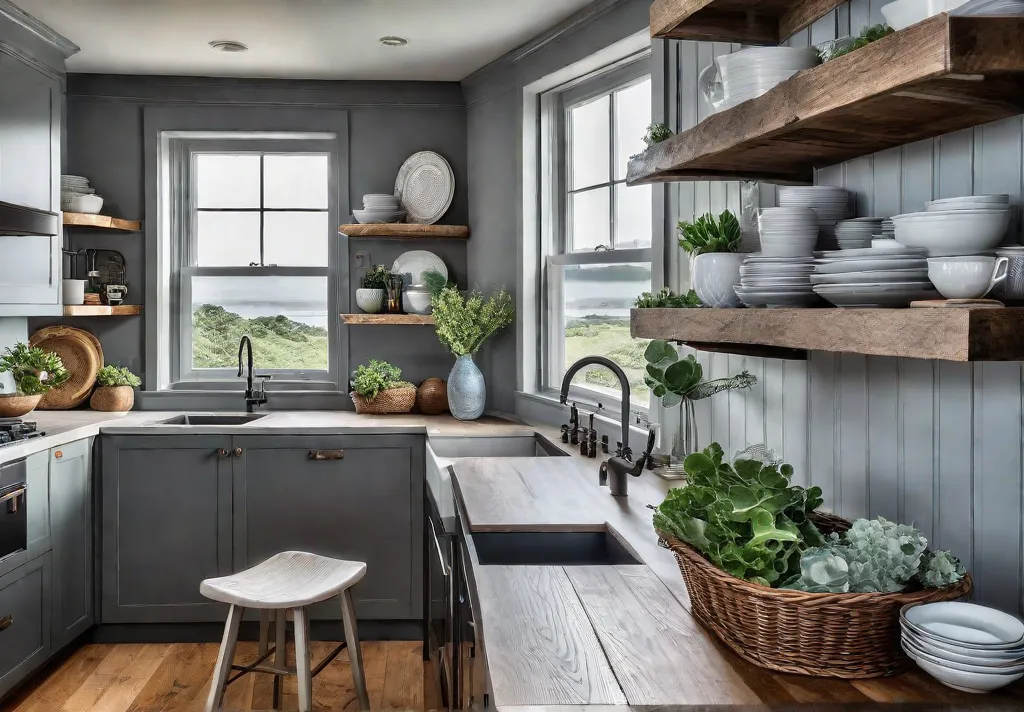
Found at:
[251, 398]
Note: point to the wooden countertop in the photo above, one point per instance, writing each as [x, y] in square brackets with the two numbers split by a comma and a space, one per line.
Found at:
[615, 635]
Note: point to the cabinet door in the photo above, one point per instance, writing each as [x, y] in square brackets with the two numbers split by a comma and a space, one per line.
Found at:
[71, 517]
[24, 621]
[29, 134]
[37, 499]
[166, 526]
[367, 506]
[29, 274]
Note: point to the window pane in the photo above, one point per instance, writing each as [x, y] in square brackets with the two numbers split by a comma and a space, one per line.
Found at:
[596, 304]
[295, 181]
[589, 214]
[227, 239]
[227, 181]
[632, 117]
[634, 222]
[590, 140]
[286, 317]
[295, 239]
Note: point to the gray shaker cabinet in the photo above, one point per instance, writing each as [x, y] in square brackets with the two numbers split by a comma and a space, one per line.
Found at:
[24, 621]
[71, 507]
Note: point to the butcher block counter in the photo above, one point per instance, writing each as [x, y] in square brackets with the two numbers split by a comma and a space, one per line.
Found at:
[624, 635]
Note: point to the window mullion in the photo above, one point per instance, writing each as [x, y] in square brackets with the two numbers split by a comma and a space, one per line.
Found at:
[612, 101]
[262, 251]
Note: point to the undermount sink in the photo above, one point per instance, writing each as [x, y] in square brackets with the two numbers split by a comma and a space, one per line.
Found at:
[552, 549]
[499, 446]
[213, 419]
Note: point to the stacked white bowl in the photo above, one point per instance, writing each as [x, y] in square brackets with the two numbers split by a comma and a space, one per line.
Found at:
[830, 204]
[788, 232]
[872, 277]
[737, 77]
[380, 208]
[856, 233]
[953, 227]
[776, 282]
[77, 196]
[965, 646]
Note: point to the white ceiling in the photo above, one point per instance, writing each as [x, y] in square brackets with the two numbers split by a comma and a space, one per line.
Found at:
[297, 39]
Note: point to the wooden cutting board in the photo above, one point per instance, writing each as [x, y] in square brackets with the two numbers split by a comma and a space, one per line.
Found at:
[83, 358]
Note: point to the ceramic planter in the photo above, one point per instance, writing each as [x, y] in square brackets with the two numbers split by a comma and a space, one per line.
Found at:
[371, 301]
[112, 399]
[714, 275]
[467, 392]
[15, 406]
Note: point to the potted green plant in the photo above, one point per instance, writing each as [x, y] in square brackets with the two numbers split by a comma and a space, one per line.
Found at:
[713, 245]
[34, 372]
[115, 390]
[464, 321]
[378, 388]
[372, 296]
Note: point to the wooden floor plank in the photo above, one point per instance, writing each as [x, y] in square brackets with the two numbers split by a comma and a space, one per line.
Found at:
[403, 681]
[118, 679]
[181, 678]
[52, 691]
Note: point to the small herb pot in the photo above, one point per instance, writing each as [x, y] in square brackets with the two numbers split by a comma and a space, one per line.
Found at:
[371, 301]
[112, 399]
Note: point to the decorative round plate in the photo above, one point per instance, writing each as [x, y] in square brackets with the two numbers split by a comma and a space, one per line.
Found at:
[411, 265]
[425, 187]
[82, 356]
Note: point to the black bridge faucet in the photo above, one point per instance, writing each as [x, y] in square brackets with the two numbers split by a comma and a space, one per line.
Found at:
[252, 398]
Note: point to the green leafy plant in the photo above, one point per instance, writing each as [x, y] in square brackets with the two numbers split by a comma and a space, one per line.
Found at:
[463, 322]
[117, 376]
[377, 278]
[866, 37]
[667, 299]
[940, 569]
[436, 282]
[746, 518]
[708, 234]
[379, 376]
[674, 380]
[656, 133]
[35, 371]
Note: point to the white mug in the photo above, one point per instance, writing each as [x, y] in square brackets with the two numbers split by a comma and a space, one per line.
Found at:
[966, 277]
[73, 291]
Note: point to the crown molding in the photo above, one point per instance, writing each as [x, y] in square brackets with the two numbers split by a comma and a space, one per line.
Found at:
[40, 29]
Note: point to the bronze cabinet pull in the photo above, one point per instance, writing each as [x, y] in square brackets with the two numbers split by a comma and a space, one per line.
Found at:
[6, 623]
[238, 452]
[222, 452]
[326, 454]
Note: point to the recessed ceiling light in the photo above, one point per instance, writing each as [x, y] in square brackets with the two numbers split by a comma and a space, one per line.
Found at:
[228, 46]
[392, 41]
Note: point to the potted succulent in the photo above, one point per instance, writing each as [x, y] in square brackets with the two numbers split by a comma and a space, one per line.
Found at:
[372, 296]
[463, 322]
[378, 388]
[34, 372]
[115, 390]
[713, 245]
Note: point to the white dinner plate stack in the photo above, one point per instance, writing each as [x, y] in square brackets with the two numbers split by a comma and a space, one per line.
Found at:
[380, 208]
[737, 77]
[788, 232]
[953, 227]
[77, 196]
[872, 277]
[965, 646]
[830, 204]
[856, 233]
[776, 282]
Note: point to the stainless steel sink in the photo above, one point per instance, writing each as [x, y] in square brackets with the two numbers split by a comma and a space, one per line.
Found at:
[552, 549]
[499, 446]
[213, 419]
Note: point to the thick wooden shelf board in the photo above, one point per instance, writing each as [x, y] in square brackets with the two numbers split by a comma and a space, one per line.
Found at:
[101, 221]
[388, 319]
[399, 230]
[747, 21]
[941, 75]
[102, 310]
[941, 334]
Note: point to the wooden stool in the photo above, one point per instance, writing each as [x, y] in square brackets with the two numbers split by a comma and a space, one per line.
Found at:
[292, 581]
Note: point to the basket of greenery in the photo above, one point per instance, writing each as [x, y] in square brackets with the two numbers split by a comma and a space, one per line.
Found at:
[373, 294]
[378, 388]
[713, 244]
[115, 390]
[789, 588]
[34, 372]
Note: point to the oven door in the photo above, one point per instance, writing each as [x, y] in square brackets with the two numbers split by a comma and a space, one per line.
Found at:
[13, 513]
[440, 603]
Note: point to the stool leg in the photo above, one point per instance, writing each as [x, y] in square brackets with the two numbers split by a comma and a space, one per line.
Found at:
[355, 654]
[302, 660]
[281, 653]
[227, 655]
[264, 630]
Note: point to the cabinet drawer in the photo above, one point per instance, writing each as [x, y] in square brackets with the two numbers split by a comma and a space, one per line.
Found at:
[24, 617]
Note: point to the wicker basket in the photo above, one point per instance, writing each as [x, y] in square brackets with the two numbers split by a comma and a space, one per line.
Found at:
[82, 356]
[112, 399]
[393, 400]
[15, 406]
[846, 635]
[432, 397]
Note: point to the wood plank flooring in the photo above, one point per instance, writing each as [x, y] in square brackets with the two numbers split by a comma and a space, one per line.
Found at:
[176, 678]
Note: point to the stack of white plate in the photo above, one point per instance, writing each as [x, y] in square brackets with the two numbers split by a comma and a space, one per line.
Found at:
[380, 208]
[952, 227]
[77, 196]
[776, 282]
[856, 233]
[831, 205]
[872, 277]
[888, 230]
[964, 646]
[737, 77]
[788, 232]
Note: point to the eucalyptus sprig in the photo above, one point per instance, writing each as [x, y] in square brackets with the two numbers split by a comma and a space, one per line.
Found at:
[463, 322]
[707, 234]
[35, 371]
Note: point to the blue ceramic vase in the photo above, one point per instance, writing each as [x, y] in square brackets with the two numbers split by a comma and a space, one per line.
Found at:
[467, 392]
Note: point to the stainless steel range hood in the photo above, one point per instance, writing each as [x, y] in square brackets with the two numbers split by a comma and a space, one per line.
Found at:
[19, 220]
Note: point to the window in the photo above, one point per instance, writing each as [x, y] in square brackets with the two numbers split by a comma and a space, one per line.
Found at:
[254, 254]
[598, 241]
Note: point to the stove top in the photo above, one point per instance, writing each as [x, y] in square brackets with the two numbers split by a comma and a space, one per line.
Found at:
[13, 430]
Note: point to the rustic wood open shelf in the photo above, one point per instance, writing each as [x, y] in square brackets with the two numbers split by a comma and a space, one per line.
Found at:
[405, 230]
[104, 222]
[941, 334]
[747, 21]
[941, 75]
[102, 310]
[388, 319]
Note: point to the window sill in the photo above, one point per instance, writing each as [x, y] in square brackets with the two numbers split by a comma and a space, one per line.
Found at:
[232, 399]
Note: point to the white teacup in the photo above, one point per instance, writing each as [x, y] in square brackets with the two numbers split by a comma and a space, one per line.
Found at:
[966, 277]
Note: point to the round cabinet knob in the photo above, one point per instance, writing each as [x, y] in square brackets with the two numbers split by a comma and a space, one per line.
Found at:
[238, 452]
[58, 454]
[222, 452]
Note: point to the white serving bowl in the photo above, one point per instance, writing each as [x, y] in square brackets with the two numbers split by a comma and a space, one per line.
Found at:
[960, 680]
[950, 233]
[80, 203]
[416, 300]
[366, 217]
[965, 624]
[1012, 669]
[978, 656]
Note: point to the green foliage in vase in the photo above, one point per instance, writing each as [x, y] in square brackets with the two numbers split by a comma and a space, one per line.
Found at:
[667, 299]
[708, 234]
[370, 381]
[377, 278]
[117, 376]
[746, 518]
[463, 322]
[673, 379]
[940, 569]
[656, 133]
[34, 370]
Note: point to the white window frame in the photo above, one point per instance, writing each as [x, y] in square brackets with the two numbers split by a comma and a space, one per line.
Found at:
[184, 248]
[555, 228]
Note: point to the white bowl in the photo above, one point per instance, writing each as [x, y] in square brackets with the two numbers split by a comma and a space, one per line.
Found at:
[416, 300]
[79, 203]
[978, 656]
[958, 679]
[885, 243]
[904, 13]
[966, 277]
[966, 624]
[962, 667]
[950, 233]
[962, 656]
[377, 216]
